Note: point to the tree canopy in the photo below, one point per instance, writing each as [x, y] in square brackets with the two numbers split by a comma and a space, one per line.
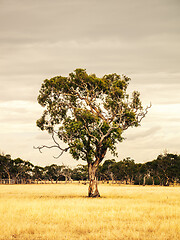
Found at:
[89, 114]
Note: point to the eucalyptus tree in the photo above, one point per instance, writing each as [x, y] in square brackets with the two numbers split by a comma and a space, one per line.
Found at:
[129, 169]
[6, 166]
[52, 172]
[106, 170]
[22, 170]
[80, 172]
[168, 168]
[89, 114]
[38, 173]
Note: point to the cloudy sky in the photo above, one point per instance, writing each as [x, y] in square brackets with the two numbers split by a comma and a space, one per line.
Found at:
[42, 39]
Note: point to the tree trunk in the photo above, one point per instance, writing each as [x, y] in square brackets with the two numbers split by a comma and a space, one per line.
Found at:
[9, 179]
[112, 177]
[93, 189]
[144, 180]
[66, 179]
[153, 181]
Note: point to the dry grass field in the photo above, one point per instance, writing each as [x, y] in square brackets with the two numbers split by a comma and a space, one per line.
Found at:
[51, 212]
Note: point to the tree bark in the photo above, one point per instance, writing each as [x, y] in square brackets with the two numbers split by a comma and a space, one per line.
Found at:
[153, 181]
[9, 179]
[93, 182]
[112, 177]
[144, 180]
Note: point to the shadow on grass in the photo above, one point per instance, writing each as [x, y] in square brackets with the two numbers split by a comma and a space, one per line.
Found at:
[82, 197]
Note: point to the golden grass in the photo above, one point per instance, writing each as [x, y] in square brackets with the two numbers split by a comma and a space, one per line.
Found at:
[58, 212]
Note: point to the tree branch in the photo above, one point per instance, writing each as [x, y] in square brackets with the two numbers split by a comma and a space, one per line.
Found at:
[53, 146]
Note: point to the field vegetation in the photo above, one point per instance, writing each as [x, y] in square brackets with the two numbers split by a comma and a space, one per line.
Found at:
[61, 211]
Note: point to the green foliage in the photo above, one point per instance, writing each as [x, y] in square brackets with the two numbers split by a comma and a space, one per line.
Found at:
[89, 113]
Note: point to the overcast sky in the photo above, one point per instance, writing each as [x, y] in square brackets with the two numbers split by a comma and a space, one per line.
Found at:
[41, 39]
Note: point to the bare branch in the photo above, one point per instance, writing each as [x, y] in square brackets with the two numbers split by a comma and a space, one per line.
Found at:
[143, 114]
[53, 146]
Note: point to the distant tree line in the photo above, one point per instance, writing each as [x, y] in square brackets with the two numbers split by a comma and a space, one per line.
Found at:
[164, 170]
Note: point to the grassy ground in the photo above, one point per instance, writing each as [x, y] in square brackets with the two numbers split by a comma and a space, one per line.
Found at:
[58, 212]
